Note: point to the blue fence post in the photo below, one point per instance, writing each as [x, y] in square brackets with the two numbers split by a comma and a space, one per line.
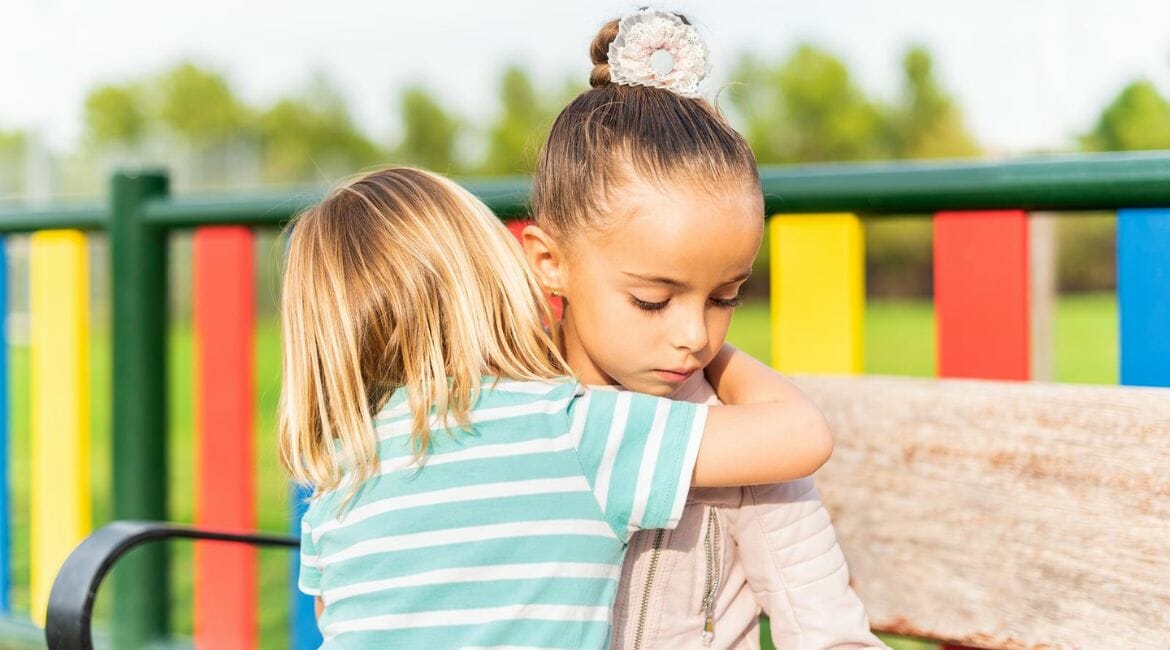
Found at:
[305, 634]
[1143, 295]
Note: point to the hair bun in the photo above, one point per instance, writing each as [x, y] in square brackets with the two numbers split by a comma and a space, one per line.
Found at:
[599, 53]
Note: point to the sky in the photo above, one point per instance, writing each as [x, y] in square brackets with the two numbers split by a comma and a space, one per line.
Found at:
[1029, 74]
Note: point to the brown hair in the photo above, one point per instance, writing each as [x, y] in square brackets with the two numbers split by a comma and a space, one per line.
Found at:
[612, 134]
[400, 279]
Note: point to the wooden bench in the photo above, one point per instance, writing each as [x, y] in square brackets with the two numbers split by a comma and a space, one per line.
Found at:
[976, 513]
[1003, 514]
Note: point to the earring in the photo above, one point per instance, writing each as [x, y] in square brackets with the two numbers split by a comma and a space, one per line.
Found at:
[554, 293]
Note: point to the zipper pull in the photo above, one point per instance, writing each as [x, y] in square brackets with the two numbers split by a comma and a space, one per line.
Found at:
[708, 630]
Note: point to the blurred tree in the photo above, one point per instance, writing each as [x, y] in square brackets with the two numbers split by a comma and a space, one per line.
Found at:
[807, 109]
[1138, 118]
[515, 138]
[13, 147]
[430, 134]
[310, 135]
[116, 114]
[517, 129]
[926, 123]
[199, 105]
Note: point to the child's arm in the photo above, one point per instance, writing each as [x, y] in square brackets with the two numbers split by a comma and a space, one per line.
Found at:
[734, 373]
[771, 434]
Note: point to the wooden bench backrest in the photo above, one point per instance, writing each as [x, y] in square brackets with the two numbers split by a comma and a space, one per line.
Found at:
[1003, 514]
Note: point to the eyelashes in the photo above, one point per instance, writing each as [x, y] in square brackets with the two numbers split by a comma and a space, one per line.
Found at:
[723, 303]
[728, 303]
[648, 306]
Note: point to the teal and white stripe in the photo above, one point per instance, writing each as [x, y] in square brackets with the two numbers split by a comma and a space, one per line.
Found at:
[509, 535]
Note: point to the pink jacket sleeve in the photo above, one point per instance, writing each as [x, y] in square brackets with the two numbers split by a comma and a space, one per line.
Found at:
[797, 571]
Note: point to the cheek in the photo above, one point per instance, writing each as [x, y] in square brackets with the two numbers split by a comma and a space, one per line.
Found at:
[717, 325]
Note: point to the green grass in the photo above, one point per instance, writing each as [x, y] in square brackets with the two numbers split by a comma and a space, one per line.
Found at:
[899, 340]
[899, 337]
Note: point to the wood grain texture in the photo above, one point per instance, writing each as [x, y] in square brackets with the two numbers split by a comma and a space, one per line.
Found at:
[1002, 514]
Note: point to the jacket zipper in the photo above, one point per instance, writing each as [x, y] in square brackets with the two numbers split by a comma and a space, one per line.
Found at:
[711, 586]
[655, 551]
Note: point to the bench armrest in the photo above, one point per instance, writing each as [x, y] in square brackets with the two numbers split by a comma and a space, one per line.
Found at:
[67, 624]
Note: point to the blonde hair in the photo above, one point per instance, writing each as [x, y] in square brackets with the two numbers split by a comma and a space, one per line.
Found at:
[613, 134]
[400, 279]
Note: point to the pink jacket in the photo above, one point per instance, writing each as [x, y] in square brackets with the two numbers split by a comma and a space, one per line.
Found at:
[735, 552]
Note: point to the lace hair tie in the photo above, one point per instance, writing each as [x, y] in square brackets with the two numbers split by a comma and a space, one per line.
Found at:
[656, 48]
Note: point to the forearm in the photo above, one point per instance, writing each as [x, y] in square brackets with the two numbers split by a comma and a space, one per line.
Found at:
[769, 432]
[739, 378]
[753, 444]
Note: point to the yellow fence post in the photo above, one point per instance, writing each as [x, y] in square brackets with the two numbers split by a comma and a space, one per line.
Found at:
[59, 397]
[818, 293]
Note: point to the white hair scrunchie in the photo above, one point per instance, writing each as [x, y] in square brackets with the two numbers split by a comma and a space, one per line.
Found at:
[656, 48]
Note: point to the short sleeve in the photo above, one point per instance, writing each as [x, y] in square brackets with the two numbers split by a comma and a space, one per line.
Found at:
[310, 566]
[638, 453]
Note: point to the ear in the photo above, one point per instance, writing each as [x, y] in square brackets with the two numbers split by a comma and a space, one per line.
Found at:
[545, 259]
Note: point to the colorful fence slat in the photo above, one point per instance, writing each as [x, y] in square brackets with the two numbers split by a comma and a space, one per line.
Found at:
[305, 634]
[818, 293]
[981, 294]
[224, 308]
[5, 447]
[981, 297]
[1143, 296]
[59, 400]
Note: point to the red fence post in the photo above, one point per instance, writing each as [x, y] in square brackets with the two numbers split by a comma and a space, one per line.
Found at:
[981, 294]
[225, 574]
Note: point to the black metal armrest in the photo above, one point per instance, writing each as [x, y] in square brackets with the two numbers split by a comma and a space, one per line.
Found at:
[67, 625]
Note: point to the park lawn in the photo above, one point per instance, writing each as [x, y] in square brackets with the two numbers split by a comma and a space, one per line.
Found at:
[899, 337]
[899, 340]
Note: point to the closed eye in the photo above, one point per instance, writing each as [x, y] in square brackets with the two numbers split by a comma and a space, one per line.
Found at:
[648, 306]
[727, 303]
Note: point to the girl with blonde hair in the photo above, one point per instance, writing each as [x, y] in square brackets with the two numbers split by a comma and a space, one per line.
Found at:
[467, 490]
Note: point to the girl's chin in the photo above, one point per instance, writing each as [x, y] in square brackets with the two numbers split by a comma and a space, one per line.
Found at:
[655, 387]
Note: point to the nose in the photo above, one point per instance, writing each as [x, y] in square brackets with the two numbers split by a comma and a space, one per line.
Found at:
[690, 331]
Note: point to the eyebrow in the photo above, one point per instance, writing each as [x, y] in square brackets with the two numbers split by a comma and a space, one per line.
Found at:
[657, 279]
[671, 282]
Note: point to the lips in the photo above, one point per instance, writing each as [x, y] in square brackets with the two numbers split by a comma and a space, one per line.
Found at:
[675, 374]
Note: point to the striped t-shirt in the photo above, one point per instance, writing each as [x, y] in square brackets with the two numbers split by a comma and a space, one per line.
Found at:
[510, 535]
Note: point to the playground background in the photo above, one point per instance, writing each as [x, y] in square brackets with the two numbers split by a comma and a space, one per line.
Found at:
[899, 340]
[807, 98]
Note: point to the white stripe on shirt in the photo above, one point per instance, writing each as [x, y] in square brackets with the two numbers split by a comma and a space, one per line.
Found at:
[480, 616]
[403, 427]
[577, 429]
[479, 452]
[454, 495]
[649, 462]
[504, 386]
[447, 536]
[617, 431]
[698, 426]
[485, 573]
